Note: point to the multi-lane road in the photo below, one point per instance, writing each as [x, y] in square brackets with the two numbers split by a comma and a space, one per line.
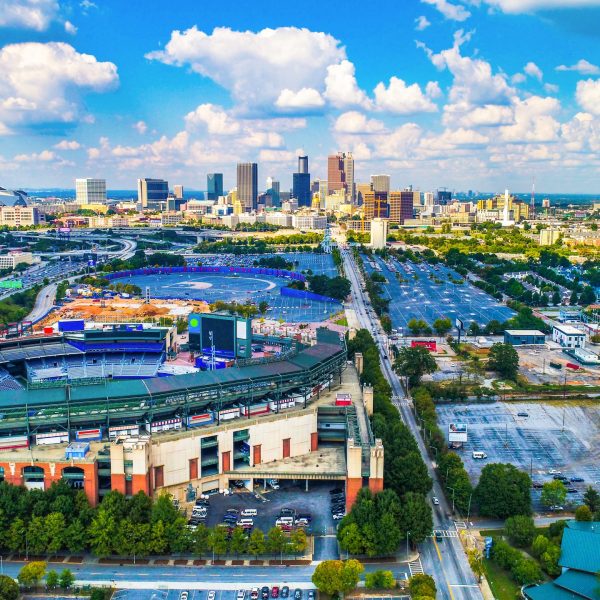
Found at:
[445, 560]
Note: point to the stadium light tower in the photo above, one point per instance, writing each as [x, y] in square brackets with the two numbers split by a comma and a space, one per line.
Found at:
[213, 362]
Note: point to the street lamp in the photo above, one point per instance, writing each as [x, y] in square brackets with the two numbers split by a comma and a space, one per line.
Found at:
[451, 488]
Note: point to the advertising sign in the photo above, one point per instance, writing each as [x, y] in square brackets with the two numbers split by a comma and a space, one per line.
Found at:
[11, 284]
[457, 432]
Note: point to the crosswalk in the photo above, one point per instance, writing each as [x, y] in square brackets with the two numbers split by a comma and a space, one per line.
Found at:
[415, 567]
[447, 533]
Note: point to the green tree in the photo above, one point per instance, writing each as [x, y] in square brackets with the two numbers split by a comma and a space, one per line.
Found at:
[139, 508]
[592, 499]
[298, 541]
[263, 305]
[503, 359]
[573, 299]
[386, 323]
[9, 590]
[51, 579]
[32, 573]
[15, 541]
[583, 513]
[442, 326]
[55, 532]
[556, 298]
[476, 563]
[351, 539]
[37, 537]
[337, 577]
[256, 543]
[539, 546]
[114, 504]
[217, 541]
[414, 363]
[520, 529]
[554, 493]
[75, 537]
[164, 510]
[380, 580]
[238, 542]
[276, 540]
[503, 491]
[416, 518]
[158, 542]
[200, 540]
[549, 560]
[66, 579]
[422, 585]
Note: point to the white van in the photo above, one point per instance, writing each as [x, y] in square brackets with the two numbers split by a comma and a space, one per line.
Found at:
[249, 512]
[245, 523]
[284, 521]
[478, 454]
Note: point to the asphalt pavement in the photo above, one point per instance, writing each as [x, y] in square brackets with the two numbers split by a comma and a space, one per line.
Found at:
[446, 561]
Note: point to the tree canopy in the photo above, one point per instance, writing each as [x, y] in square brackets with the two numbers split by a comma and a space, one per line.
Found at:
[503, 491]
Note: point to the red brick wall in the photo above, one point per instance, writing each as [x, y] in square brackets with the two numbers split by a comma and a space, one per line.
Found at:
[353, 485]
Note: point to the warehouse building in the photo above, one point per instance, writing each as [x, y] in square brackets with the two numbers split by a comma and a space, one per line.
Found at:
[524, 337]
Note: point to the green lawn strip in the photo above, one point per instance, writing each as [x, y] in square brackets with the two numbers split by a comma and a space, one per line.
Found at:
[503, 587]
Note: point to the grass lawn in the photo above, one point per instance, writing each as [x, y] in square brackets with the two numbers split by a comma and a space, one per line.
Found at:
[341, 321]
[503, 587]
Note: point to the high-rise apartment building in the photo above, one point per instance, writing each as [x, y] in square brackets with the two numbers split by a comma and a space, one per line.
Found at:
[376, 205]
[247, 185]
[380, 183]
[152, 192]
[349, 171]
[428, 199]
[90, 191]
[273, 190]
[401, 206]
[178, 192]
[214, 186]
[301, 183]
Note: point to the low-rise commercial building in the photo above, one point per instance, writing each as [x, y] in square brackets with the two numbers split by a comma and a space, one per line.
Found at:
[524, 337]
[20, 216]
[568, 336]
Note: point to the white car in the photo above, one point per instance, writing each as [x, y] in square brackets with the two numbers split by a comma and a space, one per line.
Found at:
[183, 596]
[211, 595]
[435, 500]
[338, 516]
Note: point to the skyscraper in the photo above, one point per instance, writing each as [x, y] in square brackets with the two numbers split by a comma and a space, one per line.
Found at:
[443, 196]
[247, 185]
[380, 183]
[151, 192]
[273, 190]
[214, 186]
[178, 192]
[90, 191]
[401, 206]
[375, 205]
[301, 183]
[303, 164]
[340, 174]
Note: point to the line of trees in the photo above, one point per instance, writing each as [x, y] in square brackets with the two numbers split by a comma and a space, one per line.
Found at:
[59, 519]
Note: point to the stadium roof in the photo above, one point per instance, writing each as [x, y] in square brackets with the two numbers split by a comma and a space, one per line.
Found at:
[305, 360]
[581, 549]
[37, 351]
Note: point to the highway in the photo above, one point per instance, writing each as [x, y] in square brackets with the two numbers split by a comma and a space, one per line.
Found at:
[446, 560]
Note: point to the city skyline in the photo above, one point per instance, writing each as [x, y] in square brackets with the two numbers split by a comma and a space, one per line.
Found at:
[449, 95]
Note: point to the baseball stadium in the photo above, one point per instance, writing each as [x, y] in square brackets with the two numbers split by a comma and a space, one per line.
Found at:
[96, 407]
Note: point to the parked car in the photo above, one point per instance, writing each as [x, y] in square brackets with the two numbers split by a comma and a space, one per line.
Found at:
[212, 595]
[275, 591]
[435, 500]
[254, 594]
[241, 595]
[522, 414]
[285, 591]
[311, 594]
[338, 516]
[538, 485]
[577, 479]
[264, 593]
[183, 596]
[556, 508]
[297, 594]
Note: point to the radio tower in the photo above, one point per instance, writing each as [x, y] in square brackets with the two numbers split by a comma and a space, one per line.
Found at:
[532, 202]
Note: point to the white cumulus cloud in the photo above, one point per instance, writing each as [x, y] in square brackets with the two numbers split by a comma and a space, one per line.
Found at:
[41, 82]
[421, 23]
[28, 14]
[588, 95]
[533, 71]
[140, 127]
[354, 122]
[402, 99]
[581, 66]
[306, 98]
[453, 12]
[70, 28]
[68, 145]
[523, 6]
[256, 67]
[341, 88]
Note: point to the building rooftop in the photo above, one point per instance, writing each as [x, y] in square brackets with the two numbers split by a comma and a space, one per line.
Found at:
[568, 330]
[524, 332]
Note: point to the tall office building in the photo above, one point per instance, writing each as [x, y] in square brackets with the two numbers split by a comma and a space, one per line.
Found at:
[380, 183]
[379, 232]
[247, 185]
[303, 164]
[360, 189]
[376, 205]
[214, 186]
[152, 192]
[90, 191]
[401, 206]
[301, 183]
[340, 174]
[428, 199]
[178, 192]
[273, 190]
[443, 196]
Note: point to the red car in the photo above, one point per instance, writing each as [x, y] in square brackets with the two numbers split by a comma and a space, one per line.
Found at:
[275, 592]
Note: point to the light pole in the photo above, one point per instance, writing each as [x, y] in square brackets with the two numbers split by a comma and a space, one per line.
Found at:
[407, 534]
[451, 488]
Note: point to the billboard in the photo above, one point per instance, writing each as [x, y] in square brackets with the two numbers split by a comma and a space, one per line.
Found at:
[457, 432]
[223, 335]
[459, 324]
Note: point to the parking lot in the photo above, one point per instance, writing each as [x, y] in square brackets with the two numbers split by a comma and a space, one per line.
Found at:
[553, 436]
[429, 292]
[269, 504]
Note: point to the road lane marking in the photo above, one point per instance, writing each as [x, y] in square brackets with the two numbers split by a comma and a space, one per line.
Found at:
[437, 548]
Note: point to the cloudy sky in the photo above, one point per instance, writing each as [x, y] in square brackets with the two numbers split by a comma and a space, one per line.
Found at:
[467, 94]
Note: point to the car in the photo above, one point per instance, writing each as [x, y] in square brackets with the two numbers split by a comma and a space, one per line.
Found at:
[559, 477]
[287, 512]
[435, 500]
[572, 490]
[212, 595]
[576, 479]
[285, 592]
[311, 594]
[556, 508]
[254, 594]
[232, 511]
[305, 517]
[297, 594]
[554, 472]
[264, 593]
[275, 591]
[338, 516]
[538, 485]
[183, 596]
[522, 414]
[201, 502]
[241, 595]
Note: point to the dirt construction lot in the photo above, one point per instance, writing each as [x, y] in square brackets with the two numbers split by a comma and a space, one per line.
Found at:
[556, 435]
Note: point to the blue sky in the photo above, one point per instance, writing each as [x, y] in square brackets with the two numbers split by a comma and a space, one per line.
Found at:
[467, 94]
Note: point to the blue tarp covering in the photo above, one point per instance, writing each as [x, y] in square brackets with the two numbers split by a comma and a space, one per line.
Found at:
[292, 293]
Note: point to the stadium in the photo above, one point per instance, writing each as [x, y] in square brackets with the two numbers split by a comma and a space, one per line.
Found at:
[94, 407]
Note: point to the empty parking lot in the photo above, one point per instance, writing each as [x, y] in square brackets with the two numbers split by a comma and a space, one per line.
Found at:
[559, 436]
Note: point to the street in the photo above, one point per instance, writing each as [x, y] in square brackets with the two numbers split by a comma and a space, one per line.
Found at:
[446, 560]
